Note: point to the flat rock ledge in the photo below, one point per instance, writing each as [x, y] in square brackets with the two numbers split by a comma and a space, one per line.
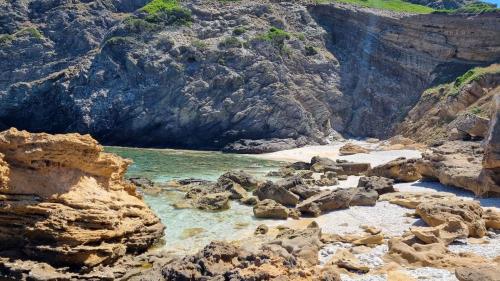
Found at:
[64, 202]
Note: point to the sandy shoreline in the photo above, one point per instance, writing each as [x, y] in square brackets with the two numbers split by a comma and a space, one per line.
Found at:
[375, 157]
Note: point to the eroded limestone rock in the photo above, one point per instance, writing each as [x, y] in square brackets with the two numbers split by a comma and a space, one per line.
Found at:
[65, 202]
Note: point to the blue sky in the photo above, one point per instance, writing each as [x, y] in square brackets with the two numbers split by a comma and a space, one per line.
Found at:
[493, 1]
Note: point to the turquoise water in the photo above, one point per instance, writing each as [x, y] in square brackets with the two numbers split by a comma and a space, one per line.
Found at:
[189, 229]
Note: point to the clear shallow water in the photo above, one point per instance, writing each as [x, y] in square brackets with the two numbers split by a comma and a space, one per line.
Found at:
[190, 229]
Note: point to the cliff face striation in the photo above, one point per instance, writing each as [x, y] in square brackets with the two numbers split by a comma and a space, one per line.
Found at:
[219, 72]
[388, 60]
[64, 201]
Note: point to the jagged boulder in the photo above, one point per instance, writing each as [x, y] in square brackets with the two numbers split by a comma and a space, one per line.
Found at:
[278, 193]
[65, 201]
[379, 184]
[438, 212]
[244, 179]
[445, 233]
[326, 201]
[350, 149]
[400, 169]
[270, 209]
[458, 163]
[471, 124]
[485, 272]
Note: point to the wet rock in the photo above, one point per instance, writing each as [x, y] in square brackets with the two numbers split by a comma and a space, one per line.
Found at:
[438, 212]
[400, 169]
[379, 184]
[282, 172]
[264, 145]
[250, 200]
[350, 149]
[278, 193]
[299, 165]
[244, 179]
[261, 229]
[270, 209]
[213, 201]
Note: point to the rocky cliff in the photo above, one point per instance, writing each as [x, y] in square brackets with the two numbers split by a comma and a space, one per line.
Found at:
[223, 71]
[64, 202]
[459, 110]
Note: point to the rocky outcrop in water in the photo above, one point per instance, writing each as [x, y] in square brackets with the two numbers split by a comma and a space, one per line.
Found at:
[107, 69]
[63, 201]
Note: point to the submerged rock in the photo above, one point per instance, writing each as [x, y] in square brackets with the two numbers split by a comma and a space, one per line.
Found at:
[64, 201]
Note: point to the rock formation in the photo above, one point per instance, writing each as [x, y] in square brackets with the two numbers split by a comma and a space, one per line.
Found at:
[225, 80]
[64, 201]
[459, 110]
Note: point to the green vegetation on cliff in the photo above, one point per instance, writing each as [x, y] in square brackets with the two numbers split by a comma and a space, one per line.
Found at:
[276, 36]
[391, 5]
[474, 74]
[474, 8]
[27, 31]
[168, 11]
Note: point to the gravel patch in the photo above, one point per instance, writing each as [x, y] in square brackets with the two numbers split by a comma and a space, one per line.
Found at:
[384, 215]
[431, 274]
[490, 250]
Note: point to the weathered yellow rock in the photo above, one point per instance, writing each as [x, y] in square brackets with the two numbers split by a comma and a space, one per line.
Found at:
[437, 212]
[64, 201]
[492, 219]
[350, 149]
[412, 199]
[444, 233]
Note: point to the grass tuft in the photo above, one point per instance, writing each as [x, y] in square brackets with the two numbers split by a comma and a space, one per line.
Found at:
[391, 5]
[168, 11]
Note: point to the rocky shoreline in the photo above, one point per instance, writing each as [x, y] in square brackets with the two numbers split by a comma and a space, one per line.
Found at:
[108, 238]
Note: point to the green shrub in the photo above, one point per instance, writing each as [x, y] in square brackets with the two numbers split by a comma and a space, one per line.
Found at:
[231, 42]
[301, 36]
[6, 38]
[200, 45]
[239, 31]
[474, 8]
[120, 40]
[137, 25]
[167, 11]
[30, 31]
[276, 36]
[310, 51]
[476, 110]
[391, 5]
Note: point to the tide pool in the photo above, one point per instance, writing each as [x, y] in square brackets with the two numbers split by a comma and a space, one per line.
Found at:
[190, 229]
